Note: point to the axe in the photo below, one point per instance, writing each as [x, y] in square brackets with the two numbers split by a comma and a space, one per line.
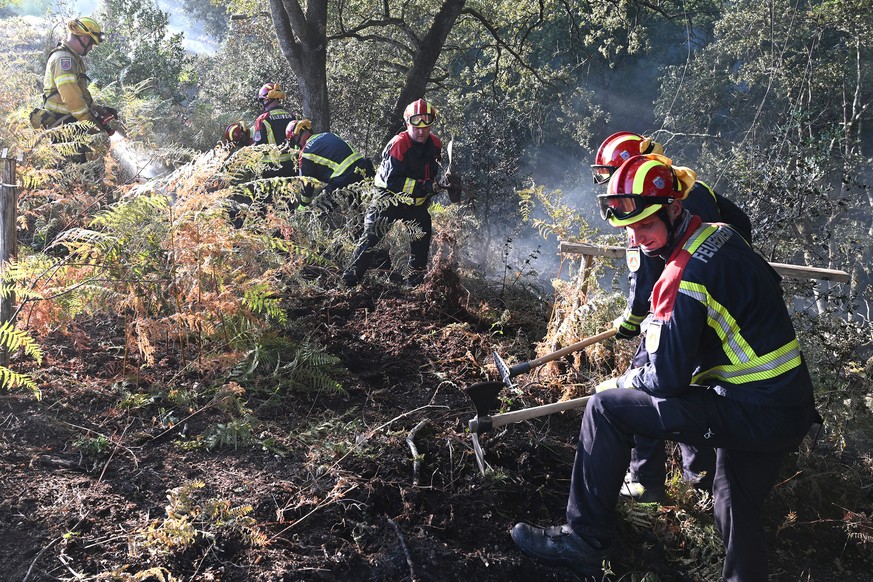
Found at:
[484, 397]
[507, 373]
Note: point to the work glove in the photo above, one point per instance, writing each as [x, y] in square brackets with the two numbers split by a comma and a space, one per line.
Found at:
[606, 385]
[627, 326]
[428, 187]
[623, 381]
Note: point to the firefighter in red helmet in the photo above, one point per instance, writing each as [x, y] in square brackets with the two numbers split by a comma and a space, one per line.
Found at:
[409, 172]
[646, 477]
[722, 369]
[327, 158]
[238, 134]
[269, 128]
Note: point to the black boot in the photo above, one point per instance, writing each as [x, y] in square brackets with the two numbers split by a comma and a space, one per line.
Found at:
[560, 546]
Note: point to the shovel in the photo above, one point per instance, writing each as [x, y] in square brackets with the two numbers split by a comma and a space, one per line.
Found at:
[507, 373]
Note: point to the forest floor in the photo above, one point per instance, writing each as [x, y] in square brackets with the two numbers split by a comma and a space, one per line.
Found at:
[334, 489]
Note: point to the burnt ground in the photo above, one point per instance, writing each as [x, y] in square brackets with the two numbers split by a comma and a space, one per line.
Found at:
[334, 489]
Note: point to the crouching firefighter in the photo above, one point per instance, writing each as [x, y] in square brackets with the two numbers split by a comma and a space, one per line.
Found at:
[723, 370]
[66, 98]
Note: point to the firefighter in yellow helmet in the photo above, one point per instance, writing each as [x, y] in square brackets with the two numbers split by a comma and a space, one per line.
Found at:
[66, 98]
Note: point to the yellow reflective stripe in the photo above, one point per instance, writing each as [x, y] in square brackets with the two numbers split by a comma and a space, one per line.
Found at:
[765, 367]
[56, 107]
[699, 237]
[408, 186]
[633, 319]
[346, 163]
[338, 168]
[736, 348]
[640, 176]
[322, 161]
[710, 190]
[63, 79]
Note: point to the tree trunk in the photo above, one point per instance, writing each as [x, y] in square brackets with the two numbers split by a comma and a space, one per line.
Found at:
[303, 40]
[426, 55]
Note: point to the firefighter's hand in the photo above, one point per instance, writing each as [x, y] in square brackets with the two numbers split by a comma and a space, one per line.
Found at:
[606, 385]
[625, 329]
[623, 381]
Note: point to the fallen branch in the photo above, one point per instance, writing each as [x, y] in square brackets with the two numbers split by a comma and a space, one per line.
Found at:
[416, 458]
[396, 527]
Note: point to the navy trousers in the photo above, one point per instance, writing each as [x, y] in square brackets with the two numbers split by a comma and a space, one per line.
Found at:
[750, 443]
[378, 220]
[649, 460]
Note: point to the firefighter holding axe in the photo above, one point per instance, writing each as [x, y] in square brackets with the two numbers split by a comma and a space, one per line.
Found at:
[724, 370]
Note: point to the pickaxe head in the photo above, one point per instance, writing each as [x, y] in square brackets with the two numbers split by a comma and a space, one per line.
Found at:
[484, 397]
[503, 370]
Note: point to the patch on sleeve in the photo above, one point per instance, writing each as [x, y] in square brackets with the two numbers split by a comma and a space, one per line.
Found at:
[257, 136]
[66, 63]
[632, 256]
[653, 337]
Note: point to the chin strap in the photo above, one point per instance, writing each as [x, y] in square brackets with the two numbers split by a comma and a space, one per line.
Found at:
[673, 228]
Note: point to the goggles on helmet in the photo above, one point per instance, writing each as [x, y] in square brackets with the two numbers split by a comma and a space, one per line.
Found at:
[421, 119]
[624, 206]
[95, 35]
[602, 173]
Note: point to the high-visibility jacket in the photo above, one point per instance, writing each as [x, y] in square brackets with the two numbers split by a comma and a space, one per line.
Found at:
[329, 159]
[269, 128]
[719, 319]
[644, 271]
[65, 84]
[410, 168]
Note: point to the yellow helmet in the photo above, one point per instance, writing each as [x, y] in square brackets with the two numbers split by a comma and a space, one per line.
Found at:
[86, 26]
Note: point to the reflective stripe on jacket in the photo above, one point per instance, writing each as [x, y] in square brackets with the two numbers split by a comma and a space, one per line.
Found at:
[270, 127]
[719, 319]
[65, 84]
[409, 167]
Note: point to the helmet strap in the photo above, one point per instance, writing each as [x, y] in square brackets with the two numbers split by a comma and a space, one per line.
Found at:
[674, 227]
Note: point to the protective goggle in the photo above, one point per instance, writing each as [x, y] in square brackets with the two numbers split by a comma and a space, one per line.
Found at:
[421, 120]
[623, 206]
[96, 37]
[602, 173]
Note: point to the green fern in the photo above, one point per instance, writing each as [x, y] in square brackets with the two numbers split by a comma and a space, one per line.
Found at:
[13, 339]
[261, 298]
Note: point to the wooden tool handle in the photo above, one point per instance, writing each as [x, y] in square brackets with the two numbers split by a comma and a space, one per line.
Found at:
[572, 348]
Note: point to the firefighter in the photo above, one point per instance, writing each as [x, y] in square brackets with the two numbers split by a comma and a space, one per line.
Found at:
[723, 370]
[327, 158]
[645, 479]
[238, 135]
[409, 168]
[66, 98]
[270, 128]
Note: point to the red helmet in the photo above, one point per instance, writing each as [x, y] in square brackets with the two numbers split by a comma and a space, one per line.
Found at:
[420, 114]
[295, 129]
[271, 91]
[640, 187]
[237, 133]
[617, 149]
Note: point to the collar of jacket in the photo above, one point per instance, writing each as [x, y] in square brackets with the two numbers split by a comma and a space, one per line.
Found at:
[690, 224]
